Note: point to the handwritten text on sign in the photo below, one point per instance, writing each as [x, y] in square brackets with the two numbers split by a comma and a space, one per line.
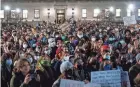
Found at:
[129, 20]
[110, 76]
[71, 83]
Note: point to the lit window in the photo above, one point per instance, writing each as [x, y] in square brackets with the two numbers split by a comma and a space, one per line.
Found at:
[1, 13]
[118, 12]
[25, 13]
[128, 12]
[138, 12]
[84, 13]
[37, 13]
[13, 13]
[96, 12]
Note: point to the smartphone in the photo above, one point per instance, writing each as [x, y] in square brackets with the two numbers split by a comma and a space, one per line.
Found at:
[33, 75]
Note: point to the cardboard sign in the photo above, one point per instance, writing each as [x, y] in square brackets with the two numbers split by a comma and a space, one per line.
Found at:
[110, 78]
[71, 83]
[129, 20]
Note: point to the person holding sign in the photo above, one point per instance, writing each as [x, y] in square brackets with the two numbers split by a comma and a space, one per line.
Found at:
[66, 70]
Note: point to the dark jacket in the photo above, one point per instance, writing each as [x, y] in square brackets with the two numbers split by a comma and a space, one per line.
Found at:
[46, 77]
[80, 75]
[133, 72]
[6, 74]
[18, 79]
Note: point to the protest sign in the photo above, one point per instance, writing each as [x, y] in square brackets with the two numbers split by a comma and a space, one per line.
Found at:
[129, 20]
[110, 78]
[92, 85]
[125, 79]
[71, 83]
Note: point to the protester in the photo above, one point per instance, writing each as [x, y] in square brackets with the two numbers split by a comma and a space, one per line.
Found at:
[22, 76]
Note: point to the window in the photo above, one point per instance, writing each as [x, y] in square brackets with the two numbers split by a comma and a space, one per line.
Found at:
[1, 13]
[25, 13]
[13, 13]
[139, 12]
[96, 12]
[84, 13]
[128, 12]
[36, 13]
[118, 12]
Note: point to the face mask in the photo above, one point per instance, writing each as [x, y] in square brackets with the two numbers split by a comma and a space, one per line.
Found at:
[56, 36]
[80, 36]
[52, 44]
[37, 57]
[45, 63]
[9, 62]
[111, 39]
[34, 45]
[66, 58]
[25, 46]
[100, 35]
[30, 60]
[107, 57]
[93, 39]
[37, 50]
[47, 52]
[63, 37]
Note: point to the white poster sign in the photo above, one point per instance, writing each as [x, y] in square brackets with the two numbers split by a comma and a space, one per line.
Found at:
[110, 78]
[129, 20]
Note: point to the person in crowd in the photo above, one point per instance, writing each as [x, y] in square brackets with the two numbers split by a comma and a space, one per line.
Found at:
[137, 80]
[66, 73]
[46, 72]
[6, 66]
[79, 73]
[134, 70]
[22, 77]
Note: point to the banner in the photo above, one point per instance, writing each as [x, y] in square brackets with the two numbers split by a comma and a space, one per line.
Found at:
[110, 78]
[129, 20]
[71, 83]
[125, 79]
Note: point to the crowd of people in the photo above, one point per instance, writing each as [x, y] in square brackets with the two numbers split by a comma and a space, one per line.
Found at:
[42, 55]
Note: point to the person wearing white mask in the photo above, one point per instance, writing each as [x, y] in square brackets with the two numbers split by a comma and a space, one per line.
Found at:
[80, 34]
[25, 45]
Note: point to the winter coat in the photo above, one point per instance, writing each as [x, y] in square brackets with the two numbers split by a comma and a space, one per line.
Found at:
[18, 79]
[133, 72]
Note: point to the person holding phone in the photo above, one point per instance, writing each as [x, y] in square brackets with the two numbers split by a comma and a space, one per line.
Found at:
[22, 76]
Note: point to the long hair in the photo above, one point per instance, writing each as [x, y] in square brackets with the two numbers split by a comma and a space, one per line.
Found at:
[20, 64]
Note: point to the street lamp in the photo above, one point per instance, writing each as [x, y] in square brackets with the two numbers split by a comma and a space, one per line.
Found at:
[131, 8]
[48, 15]
[72, 12]
[17, 10]
[7, 8]
[111, 9]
